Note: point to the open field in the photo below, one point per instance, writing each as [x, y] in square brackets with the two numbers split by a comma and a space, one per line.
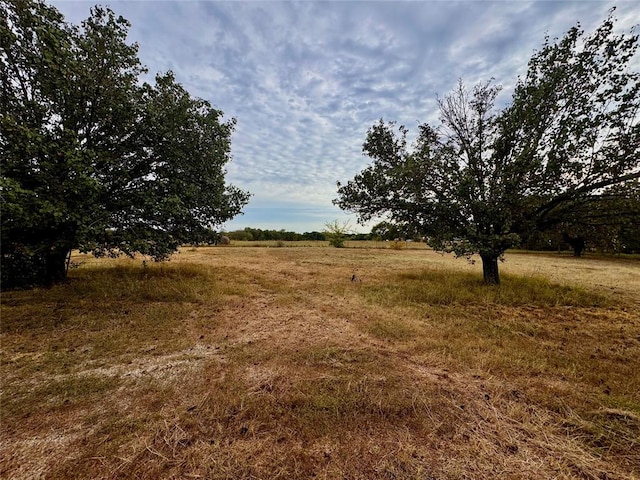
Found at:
[314, 362]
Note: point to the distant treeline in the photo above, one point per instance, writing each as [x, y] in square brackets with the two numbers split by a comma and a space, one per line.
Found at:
[620, 240]
[258, 234]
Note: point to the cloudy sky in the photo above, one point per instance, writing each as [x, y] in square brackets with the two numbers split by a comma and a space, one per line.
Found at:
[305, 80]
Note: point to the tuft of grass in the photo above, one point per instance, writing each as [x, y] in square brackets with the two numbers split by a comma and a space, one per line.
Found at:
[396, 329]
[161, 282]
[332, 355]
[611, 432]
[446, 287]
[398, 245]
[56, 395]
[95, 294]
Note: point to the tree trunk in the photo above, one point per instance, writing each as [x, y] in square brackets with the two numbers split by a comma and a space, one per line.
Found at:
[578, 247]
[577, 243]
[55, 267]
[490, 269]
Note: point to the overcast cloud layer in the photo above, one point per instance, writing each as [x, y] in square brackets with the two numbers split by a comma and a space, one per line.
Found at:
[306, 80]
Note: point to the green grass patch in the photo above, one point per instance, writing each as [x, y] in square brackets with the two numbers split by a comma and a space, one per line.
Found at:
[162, 282]
[448, 287]
[103, 316]
[613, 432]
[55, 395]
[335, 356]
[93, 294]
[391, 329]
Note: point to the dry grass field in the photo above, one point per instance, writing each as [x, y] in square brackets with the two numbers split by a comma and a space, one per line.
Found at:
[312, 362]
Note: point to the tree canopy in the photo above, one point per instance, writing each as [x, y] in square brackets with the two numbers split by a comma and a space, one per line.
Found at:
[93, 157]
[484, 176]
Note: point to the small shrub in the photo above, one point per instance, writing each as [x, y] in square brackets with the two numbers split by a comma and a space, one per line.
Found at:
[336, 233]
[398, 245]
[336, 242]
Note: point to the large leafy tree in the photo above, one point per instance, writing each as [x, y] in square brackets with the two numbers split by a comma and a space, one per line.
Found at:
[92, 158]
[483, 177]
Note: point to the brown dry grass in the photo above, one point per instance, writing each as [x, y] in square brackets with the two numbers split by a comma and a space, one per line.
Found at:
[238, 363]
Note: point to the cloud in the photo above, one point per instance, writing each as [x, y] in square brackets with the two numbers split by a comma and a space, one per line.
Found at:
[306, 79]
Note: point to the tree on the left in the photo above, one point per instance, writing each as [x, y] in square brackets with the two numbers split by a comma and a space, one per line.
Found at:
[93, 158]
